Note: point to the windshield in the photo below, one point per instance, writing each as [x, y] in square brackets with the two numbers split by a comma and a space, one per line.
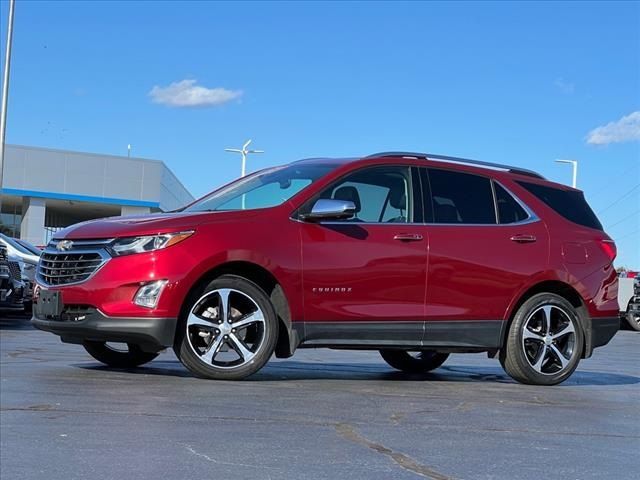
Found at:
[263, 189]
[17, 246]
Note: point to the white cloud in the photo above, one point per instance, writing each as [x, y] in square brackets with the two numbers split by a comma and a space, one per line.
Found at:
[626, 129]
[186, 93]
[564, 86]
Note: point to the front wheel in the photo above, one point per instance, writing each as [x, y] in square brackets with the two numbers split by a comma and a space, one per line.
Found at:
[109, 354]
[545, 341]
[414, 362]
[230, 331]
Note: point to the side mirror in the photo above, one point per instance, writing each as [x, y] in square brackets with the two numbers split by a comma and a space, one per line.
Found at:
[328, 209]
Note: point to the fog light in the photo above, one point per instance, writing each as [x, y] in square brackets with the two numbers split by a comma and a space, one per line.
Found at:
[148, 294]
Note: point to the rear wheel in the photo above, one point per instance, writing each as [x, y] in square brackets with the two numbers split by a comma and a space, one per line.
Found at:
[127, 355]
[230, 331]
[545, 341]
[414, 362]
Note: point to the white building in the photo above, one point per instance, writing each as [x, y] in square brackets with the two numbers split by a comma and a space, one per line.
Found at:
[44, 190]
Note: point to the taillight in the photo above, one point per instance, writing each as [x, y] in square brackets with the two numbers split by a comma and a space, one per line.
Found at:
[609, 248]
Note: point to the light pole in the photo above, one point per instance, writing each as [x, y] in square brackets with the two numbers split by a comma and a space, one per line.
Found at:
[575, 170]
[5, 92]
[243, 151]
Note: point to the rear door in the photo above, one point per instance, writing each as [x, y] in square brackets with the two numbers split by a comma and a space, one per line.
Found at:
[484, 246]
[364, 278]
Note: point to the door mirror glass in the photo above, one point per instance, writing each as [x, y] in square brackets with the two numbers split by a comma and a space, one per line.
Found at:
[330, 209]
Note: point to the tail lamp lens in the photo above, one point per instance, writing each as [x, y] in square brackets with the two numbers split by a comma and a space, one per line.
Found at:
[609, 248]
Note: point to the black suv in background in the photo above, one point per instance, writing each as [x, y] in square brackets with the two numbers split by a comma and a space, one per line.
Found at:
[12, 288]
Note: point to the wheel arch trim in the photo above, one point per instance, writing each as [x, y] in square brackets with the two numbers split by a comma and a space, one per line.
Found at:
[262, 277]
[563, 289]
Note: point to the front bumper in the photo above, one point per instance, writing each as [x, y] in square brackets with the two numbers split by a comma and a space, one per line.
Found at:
[112, 287]
[151, 334]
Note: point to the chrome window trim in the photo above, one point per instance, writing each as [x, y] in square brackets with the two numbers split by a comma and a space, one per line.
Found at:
[532, 217]
[390, 224]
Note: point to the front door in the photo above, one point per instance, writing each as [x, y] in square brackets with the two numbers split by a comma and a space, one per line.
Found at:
[364, 278]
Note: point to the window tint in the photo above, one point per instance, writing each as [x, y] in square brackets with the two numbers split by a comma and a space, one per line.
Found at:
[509, 210]
[568, 203]
[380, 194]
[461, 198]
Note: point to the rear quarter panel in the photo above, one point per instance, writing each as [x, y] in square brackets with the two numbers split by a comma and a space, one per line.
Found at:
[576, 258]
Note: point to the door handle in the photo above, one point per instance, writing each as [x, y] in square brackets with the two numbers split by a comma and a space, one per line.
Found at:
[523, 238]
[408, 237]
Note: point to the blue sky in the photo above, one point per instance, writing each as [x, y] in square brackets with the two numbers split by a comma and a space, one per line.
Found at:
[518, 83]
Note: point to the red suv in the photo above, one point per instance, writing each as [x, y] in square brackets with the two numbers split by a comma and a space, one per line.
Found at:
[417, 256]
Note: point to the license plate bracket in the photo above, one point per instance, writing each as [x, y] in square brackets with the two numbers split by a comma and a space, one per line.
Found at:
[49, 303]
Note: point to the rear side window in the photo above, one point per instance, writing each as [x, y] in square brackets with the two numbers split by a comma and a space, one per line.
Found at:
[509, 210]
[568, 203]
[458, 197]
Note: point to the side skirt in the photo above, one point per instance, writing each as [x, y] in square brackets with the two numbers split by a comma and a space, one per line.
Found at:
[464, 335]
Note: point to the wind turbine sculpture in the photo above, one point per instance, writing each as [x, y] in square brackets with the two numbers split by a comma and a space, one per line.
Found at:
[244, 153]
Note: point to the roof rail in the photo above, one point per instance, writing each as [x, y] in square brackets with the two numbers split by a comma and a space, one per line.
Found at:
[463, 161]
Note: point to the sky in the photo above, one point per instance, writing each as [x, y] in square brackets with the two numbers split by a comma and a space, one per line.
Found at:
[517, 83]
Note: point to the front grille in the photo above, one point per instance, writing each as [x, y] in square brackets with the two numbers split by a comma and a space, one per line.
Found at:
[65, 268]
[14, 268]
[3, 253]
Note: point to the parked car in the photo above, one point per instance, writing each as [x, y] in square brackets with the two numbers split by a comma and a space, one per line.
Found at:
[29, 246]
[417, 256]
[12, 287]
[629, 301]
[29, 261]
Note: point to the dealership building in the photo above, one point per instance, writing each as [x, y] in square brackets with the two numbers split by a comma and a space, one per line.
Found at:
[45, 190]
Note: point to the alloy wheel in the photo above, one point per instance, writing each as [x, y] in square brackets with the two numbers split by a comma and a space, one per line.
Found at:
[226, 328]
[549, 339]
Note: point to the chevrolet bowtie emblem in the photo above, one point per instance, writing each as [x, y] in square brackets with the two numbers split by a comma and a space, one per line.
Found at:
[64, 245]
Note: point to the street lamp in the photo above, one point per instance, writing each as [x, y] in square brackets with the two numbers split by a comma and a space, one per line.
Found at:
[243, 151]
[5, 92]
[575, 170]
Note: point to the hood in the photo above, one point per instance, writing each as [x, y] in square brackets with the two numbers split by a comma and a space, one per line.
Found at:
[132, 226]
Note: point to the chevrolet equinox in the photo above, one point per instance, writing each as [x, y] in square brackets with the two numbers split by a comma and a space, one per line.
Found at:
[415, 255]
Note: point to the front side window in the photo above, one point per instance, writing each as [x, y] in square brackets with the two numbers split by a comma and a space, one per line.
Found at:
[264, 189]
[380, 194]
[458, 197]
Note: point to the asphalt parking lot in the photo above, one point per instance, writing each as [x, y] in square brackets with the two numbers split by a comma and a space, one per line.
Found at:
[319, 415]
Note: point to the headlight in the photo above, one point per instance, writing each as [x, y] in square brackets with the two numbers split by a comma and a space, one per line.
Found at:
[128, 246]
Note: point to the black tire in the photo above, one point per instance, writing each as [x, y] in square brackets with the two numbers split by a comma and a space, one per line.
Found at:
[264, 335]
[130, 358]
[542, 347]
[414, 362]
[633, 319]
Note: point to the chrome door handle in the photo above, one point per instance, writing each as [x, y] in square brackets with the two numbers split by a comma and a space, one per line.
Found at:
[523, 238]
[408, 237]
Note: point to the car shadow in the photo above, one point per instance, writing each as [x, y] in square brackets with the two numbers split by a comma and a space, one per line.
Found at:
[282, 371]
